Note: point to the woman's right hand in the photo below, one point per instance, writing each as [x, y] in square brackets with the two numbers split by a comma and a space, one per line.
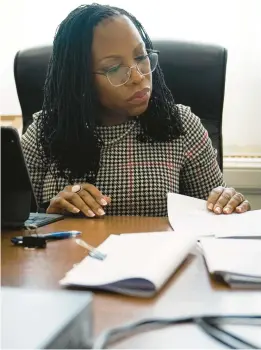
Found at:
[85, 198]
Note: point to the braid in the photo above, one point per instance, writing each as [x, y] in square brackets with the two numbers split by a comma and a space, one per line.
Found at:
[161, 121]
[67, 130]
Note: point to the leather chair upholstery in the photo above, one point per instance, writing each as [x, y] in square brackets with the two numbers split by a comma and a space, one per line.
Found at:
[194, 72]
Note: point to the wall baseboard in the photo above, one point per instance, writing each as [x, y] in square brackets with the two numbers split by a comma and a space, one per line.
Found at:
[243, 173]
[11, 120]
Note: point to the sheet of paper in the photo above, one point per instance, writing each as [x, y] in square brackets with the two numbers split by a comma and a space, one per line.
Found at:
[153, 257]
[240, 256]
[190, 215]
[242, 225]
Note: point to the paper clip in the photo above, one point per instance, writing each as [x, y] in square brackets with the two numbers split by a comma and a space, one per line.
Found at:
[94, 252]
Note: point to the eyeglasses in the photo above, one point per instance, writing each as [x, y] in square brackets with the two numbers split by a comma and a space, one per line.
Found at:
[119, 75]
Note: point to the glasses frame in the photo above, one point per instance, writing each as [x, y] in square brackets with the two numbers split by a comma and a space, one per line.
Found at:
[149, 51]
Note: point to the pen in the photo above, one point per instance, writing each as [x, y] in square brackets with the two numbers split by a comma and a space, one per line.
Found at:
[94, 252]
[48, 236]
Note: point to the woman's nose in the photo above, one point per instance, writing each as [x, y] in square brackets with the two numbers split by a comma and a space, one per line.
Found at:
[135, 76]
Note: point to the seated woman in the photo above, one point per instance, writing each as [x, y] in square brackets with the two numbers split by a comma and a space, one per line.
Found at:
[110, 136]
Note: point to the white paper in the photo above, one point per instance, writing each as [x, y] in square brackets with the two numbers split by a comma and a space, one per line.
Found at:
[240, 256]
[190, 215]
[147, 259]
[245, 225]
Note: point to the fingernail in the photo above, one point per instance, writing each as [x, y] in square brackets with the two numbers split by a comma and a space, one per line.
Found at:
[218, 210]
[239, 209]
[90, 213]
[101, 212]
[76, 210]
[103, 202]
[227, 210]
[210, 206]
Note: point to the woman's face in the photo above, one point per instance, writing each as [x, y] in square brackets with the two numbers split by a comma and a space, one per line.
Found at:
[117, 43]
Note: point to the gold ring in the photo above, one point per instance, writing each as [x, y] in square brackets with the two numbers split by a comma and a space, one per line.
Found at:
[76, 188]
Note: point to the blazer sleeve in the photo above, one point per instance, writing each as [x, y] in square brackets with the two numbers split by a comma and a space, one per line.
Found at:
[200, 172]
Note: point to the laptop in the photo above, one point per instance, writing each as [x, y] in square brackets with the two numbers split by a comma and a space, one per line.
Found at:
[19, 207]
[46, 319]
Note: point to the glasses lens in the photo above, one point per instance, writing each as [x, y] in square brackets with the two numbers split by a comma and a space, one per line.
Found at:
[149, 63]
[118, 76]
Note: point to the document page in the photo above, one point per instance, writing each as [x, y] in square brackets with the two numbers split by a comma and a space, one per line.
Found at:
[190, 215]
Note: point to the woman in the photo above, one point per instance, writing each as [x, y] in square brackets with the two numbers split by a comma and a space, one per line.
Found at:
[109, 136]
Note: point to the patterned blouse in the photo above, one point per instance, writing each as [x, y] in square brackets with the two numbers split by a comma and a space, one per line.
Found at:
[138, 176]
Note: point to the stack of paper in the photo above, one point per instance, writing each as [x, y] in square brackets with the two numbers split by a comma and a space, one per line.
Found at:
[238, 262]
[136, 264]
[190, 215]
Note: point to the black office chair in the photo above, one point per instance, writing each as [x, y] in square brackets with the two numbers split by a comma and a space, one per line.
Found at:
[194, 72]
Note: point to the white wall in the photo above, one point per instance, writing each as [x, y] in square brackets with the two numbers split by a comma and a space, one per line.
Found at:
[234, 24]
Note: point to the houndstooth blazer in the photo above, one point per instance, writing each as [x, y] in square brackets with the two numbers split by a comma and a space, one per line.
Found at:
[138, 176]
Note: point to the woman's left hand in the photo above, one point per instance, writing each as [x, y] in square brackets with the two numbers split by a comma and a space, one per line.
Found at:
[227, 200]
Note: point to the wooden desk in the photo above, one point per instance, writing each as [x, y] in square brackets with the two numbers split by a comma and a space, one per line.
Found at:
[189, 289]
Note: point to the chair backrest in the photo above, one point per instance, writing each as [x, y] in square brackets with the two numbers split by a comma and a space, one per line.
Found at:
[194, 72]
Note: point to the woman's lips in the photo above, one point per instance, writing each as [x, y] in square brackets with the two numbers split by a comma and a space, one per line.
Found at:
[140, 96]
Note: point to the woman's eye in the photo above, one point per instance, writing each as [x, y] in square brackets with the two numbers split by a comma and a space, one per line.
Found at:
[141, 57]
[112, 69]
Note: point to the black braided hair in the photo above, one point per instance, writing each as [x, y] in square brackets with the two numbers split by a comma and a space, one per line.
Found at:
[67, 125]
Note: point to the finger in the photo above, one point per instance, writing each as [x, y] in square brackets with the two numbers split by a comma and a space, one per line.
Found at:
[243, 207]
[108, 199]
[59, 204]
[235, 201]
[91, 203]
[223, 200]
[213, 197]
[96, 194]
[77, 201]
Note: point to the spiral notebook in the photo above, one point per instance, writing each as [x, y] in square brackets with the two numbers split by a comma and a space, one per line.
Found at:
[136, 264]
